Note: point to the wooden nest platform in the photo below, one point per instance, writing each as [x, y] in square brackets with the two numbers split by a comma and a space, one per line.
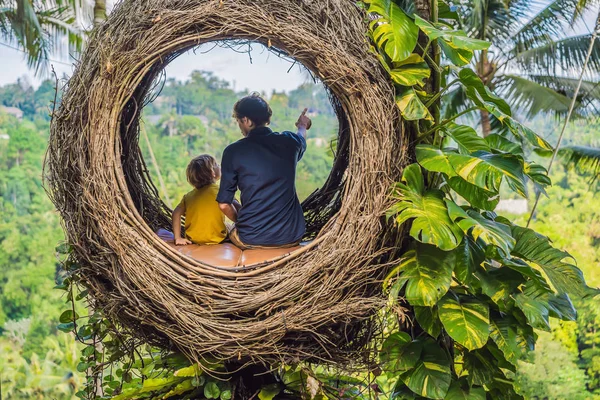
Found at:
[314, 304]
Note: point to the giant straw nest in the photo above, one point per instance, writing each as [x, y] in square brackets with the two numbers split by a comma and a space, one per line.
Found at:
[314, 304]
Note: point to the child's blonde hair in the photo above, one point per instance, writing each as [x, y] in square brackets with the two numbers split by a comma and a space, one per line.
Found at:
[200, 171]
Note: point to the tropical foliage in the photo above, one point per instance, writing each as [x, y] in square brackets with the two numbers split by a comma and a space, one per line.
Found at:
[42, 28]
[477, 283]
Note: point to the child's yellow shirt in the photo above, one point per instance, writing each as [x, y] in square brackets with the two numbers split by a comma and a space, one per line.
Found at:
[204, 221]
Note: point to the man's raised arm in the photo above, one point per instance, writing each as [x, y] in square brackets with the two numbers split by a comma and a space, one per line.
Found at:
[304, 123]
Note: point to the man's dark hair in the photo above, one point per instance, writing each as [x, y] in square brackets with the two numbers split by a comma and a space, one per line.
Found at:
[200, 171]
[253, 107]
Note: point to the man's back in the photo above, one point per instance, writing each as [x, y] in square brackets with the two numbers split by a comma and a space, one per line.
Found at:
[263, 167]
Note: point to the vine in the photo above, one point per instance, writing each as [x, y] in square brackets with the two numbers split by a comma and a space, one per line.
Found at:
[477, 285]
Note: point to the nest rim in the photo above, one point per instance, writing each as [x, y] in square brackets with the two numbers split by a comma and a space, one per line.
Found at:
[350, 290]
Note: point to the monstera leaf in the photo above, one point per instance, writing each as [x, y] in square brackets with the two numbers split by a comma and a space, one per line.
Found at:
[427, 272]
[466, 138]
[428, 319]
[523, 132]
[483, 97]
[427, 210]
[480, 227]
[393, 30]
[501, 143]
[475, 195]
[469, 256]
[431, 376]
[411, 106]
[558, 265]
[464, 392]
[411, 71]
[456, 44]
[513, 339]
[400, 353]
[482, 169]
[466, 321]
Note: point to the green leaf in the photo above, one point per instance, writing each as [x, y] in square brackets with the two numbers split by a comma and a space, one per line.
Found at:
[538, 175]
[456, 55]
[466, 320]
[482, 366]
[510, 338]
[428, 319]
[469, 256]
[225, 395]
[212, 391]
[192, 370]
[411, 71]
[500, 284]
[501, 143]
[466, 138]
[480, 227]
[269, 392]
[563, 275]
[535, 311]
[456, 392]
[485, 170]
[483, 97]
[523, 132]
[458, 38]
[68, 316]
[66, 327]
[429, 274]
[434, 159]
[475, 195]
[82, 366]
[431, 376]
[561, 307]
[411, 106]
[527, 271]
[399, 353]
[393, 31]
[431, 223]
[180, 388]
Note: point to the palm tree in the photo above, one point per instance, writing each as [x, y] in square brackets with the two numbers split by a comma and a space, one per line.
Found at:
[531, 62]
[44, 27]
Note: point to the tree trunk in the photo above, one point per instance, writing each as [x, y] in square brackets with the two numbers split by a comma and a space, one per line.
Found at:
[99, 12]
[486, 126]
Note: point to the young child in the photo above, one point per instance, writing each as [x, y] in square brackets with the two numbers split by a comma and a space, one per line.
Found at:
[204, 221]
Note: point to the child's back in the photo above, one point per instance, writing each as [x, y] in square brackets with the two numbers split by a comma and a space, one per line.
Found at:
[204, 221]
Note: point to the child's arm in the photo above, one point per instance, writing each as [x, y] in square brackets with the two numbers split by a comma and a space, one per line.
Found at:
[178, 212]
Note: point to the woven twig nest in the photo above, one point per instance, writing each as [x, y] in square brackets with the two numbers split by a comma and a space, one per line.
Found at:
[311, 305]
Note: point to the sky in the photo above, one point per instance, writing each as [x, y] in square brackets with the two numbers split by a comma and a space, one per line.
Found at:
[266, 73]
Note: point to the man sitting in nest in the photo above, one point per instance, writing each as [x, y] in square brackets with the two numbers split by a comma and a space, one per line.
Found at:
[263, 166]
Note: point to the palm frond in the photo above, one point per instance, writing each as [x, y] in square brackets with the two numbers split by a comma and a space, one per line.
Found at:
[549, 22]
[586, 159]
[39, 28]
[567, 54]
[531, 97]
[486, 19]
[590, 89]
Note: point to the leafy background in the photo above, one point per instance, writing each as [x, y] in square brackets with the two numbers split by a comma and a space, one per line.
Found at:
[481, 288]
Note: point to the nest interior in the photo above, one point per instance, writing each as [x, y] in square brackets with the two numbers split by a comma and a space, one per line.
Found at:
[314, 304]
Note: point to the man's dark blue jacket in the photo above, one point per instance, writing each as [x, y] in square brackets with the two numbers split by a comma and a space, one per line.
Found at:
[263, 167]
